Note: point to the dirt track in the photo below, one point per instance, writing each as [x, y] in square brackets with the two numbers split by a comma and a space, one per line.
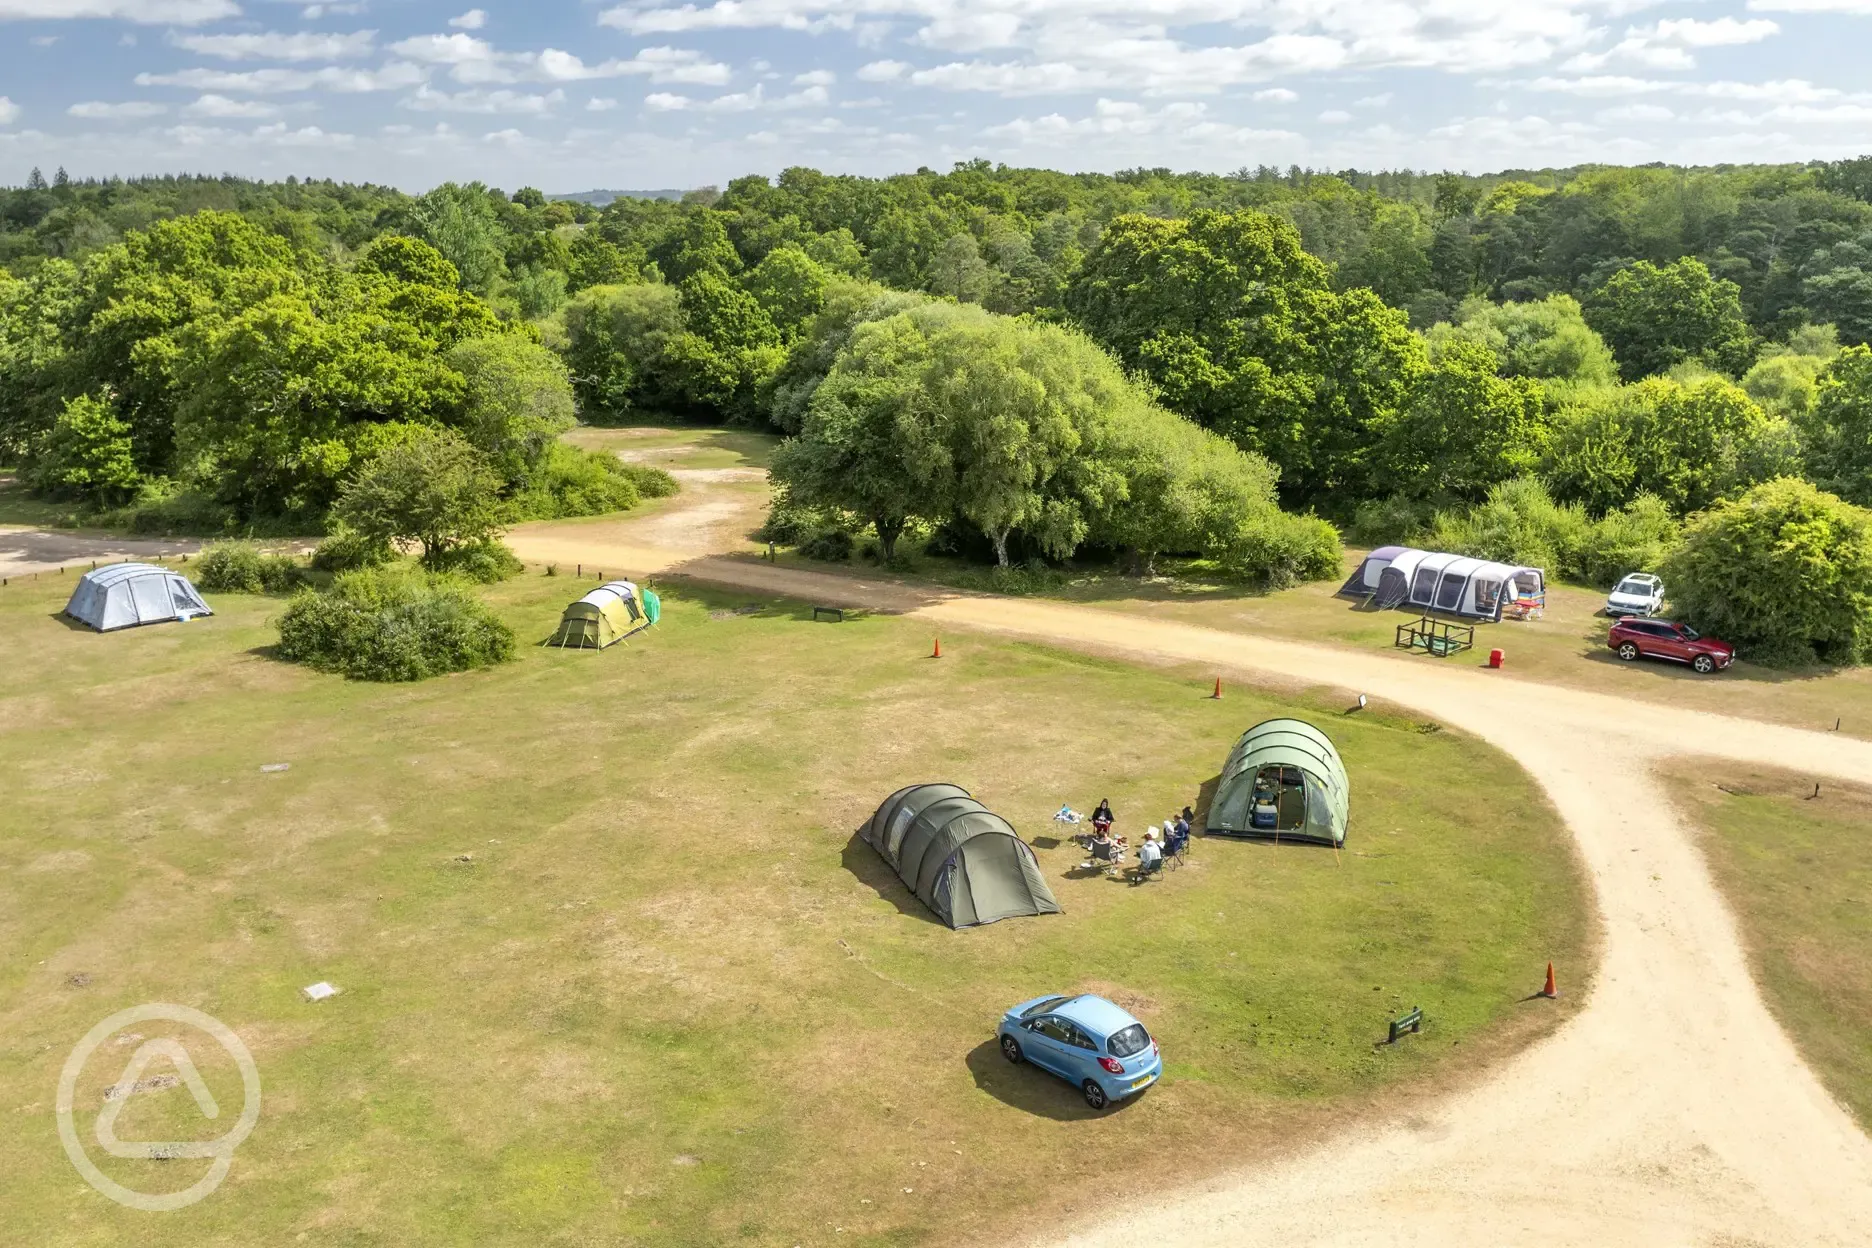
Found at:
[1673, 1110]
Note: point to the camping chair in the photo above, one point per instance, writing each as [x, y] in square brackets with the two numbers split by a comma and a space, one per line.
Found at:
[1174, 847]
[1145, 870]
[1110, 854]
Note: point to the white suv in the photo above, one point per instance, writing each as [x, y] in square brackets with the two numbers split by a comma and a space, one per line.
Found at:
[1638, 594]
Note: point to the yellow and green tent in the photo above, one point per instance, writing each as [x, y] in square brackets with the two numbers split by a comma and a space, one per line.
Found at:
[608, 614]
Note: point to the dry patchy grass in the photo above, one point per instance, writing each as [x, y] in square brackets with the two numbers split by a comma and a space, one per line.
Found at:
[669, 1000]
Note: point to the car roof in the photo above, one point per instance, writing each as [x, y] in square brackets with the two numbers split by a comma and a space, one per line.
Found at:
[1647, 577]
[1095, 1014]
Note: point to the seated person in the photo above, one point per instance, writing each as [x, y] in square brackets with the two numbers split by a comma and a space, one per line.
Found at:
[1104, 849]
[1150, 855]
[1102, 815]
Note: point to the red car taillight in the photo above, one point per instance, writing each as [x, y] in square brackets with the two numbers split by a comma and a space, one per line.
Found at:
[1112, 1064]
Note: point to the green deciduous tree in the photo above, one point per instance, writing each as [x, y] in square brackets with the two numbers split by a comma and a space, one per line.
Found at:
[1784, 572]
[1548, 340]
[1687, 444]
[1242, 332]
[85, 455]
[618, 344]
[1657, 316]
[462, 224]
[1464, 429]
[789, 286]
[516, 399]
[437, 490]
[1836, 432]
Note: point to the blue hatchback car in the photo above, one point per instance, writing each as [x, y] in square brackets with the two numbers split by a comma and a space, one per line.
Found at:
[1087, 1041]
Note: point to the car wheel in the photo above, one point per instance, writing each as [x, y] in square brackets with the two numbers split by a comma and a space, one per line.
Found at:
[1095, 1095]
[1628, 652]
[1703, 665]
[1010, 1049]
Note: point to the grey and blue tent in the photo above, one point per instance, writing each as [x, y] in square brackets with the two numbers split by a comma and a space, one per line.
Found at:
[1283, 780]
[123, 595]
[961, 859]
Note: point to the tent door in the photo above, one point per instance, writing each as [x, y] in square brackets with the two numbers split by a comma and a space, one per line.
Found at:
[151, 596]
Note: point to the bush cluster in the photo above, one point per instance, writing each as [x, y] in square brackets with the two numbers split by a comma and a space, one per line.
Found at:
[1784, 573]
[348, 550]
[484, 563]
[393, 624]
[1520, 522]
[243, 568]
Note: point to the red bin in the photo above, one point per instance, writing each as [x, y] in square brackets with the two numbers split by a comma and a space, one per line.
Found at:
[1495, 658]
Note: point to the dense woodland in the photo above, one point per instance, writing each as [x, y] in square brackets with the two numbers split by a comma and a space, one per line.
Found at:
[1562, 365]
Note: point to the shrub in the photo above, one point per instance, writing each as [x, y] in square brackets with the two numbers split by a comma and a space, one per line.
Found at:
[651, 482]
[393, 624]
[1399, 519]
[1784, 572]
[1518, 523]
[243, 568]
[347, 551]
[1274, 549]
[570, 482]
[484, 563]
[1636, 538]
[830, 545]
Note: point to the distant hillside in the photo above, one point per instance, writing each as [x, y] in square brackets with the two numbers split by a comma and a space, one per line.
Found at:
[599, 199]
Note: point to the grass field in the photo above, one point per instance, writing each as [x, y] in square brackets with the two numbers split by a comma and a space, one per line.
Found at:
[1795, 868]
[679, 446]
[614, 969]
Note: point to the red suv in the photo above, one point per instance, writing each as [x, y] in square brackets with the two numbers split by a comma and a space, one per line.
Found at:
[1661, 639]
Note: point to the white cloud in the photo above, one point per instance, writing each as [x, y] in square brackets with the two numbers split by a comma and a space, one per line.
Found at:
[1666, 44]
[9, 111]
[815, 78]
[264, 137]
[98, 110]
[473, 19]
[1335, 116]
[390, 77]
[1861, 8]
[739, 102]
[301, 46]
[147, 12]
[221, 107]
[507, 136]
[312, 12]
[502, 101]
[882, 71]
[1646, 113]
[43, 41]
[1276, 95]
[1373, 101]
[471, 61]
[601, 104]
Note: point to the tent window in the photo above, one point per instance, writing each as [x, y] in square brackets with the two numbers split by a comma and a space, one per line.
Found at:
[1450, 596]
[1423, 586]
[893, 835]
[1487, 594]
[945, 881]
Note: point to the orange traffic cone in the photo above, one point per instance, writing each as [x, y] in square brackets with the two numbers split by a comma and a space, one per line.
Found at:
[1550, 991]
[937, 652]
[1217, 695]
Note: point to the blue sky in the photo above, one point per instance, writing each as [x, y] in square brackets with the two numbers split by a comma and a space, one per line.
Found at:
[660, 93]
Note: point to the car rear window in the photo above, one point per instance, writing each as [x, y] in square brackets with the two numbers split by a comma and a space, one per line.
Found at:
[1043, 1006]
[1132, 1039]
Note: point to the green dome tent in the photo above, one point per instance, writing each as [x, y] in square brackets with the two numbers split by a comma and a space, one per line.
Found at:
[961, 859]
[1283, 780]
[608, 614]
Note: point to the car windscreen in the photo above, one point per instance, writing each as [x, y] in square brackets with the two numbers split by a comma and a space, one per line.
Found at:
[1640, 588]
[1690, 634]
[1131, 1040]
[1043, 1006]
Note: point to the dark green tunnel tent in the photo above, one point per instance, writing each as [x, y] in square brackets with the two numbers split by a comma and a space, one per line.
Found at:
[1283, 780]
[961, 859]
